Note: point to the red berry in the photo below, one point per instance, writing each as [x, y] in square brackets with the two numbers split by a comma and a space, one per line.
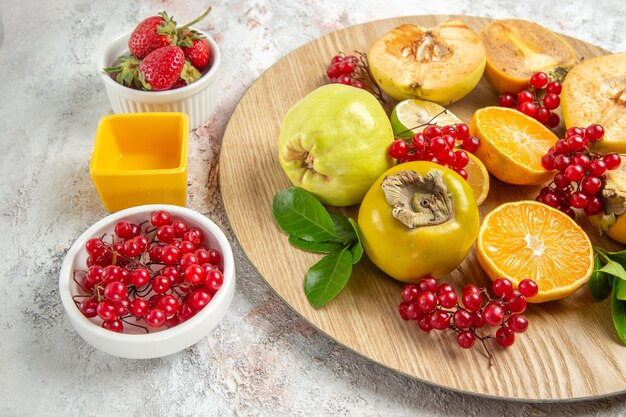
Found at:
[336, 59]
[179, 228]
[579, 199]
[345, 80]
[398, 149]
[346, 67]
[593, 133]
[505, 337]
[333, 71]
[553, 121]
[160, 284]
[494, 314]
[561, 146]
[188, 259]
[553, 87]
[502, 287]
[114, 325]
[155, 318]
[115, 291]
[461, 159]
[215, 257]
[574, 173]
[425, 324]
[95, 247]
[612, 161]
[198, 54]
[440, 320]
[591, 185]
[597, 168]
[582, 160]
[165, 234]
[543, 115]
[195, 236]
[138, 307]
[172, 273]
[155, 253]
[538, 79]
[199, 298]
[478, 321]
[160, 218]
[194, 274]
[528, 108]
[462, 131]
[450, 141]
[106, 310]
[528, 288]
[170, 254]
[214, 279]
[466, 339]
[427, 283]
[576, 143]
[123, 230]
[472, 300]
[112, 273]
[437, 145]
[516, 302]
[447, 299]
[561, 162]
[551, 199]
[463, 319]
[518, 323]
[506, 100]
[471, 143]
[426, 301]
[432, 131]
[574, 131]
[525, 97]
[462, 173]
[594, 206]
[551, 101]
[169, 304]
[547, 161]
[132, 248]
[89, 307]
[161, 68]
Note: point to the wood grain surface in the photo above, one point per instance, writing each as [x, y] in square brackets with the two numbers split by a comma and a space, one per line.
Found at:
[570, 351]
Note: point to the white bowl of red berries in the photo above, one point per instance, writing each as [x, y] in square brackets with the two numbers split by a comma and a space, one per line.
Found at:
[148, 281]
[163, 67]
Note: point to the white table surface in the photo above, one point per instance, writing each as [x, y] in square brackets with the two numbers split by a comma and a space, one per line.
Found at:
[262, 359]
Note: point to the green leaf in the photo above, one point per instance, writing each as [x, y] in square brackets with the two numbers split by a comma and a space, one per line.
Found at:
[301, 215]
[620, 290]
[357, 230]
[319, 247]
[618, 311]
[327, 278]
[615, 269]
[343, 227]
[599, 285]
[619, 257]
[357, 252]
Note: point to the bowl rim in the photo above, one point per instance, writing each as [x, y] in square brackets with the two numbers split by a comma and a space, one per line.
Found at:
[110, 118]
[204, 81]
[221, 296]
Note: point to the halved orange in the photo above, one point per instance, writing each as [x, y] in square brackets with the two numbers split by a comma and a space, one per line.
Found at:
[512, 144]
[527, 239]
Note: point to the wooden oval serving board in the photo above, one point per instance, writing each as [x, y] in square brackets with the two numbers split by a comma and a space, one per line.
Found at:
[570, 351]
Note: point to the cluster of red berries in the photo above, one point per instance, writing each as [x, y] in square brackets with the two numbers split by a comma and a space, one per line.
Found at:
[353, 70]
[579, 181]
[159, 274]
[437, 306]
[538, 101]
[437, 144]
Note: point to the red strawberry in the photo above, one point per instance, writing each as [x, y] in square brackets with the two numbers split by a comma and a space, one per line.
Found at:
[152, 33]
[162, 68]
[198, 53]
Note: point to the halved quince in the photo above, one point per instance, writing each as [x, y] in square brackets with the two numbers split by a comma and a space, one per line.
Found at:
[517, 48]
[440, 64]
[594, 91]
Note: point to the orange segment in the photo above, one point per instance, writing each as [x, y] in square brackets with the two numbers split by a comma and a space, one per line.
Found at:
[477, 178]
[526, 239]
[512, 144]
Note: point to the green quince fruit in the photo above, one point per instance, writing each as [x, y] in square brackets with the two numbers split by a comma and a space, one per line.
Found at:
[334, 142]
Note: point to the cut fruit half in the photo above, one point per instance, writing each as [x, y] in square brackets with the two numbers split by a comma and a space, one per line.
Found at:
[594, 91]
[526, 239]
[517, 48]
[512, 144]
[440, 64]
[477, 178]
[411, 116]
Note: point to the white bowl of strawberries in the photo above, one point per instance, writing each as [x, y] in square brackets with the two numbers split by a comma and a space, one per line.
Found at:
[148, 281]
[162, 67]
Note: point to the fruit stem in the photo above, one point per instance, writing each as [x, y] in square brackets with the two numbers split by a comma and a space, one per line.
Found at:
[76, 281]
[488, 352]
[197, 19]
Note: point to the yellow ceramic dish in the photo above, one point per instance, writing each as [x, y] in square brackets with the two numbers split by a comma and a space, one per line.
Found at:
[141, 158]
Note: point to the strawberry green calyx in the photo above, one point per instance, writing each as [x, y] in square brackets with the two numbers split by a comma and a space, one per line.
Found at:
[187, 36]
[168, 27]
[126, 72]
[189, 74]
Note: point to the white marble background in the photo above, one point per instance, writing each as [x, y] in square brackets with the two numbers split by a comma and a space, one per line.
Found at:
[262, 359]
